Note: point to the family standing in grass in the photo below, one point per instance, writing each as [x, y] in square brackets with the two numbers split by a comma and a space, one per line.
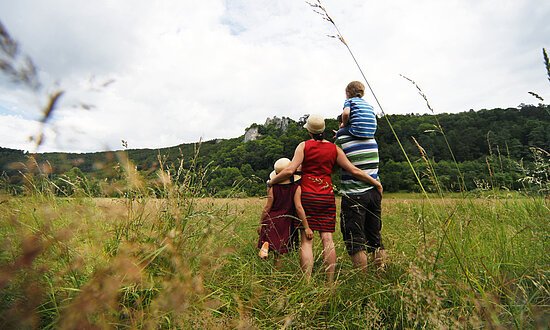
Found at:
[309, 205]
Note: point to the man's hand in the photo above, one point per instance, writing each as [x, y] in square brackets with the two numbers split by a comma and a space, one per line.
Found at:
[379, 188]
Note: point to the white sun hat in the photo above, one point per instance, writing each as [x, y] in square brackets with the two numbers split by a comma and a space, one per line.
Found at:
[315, 124]
[280, 165]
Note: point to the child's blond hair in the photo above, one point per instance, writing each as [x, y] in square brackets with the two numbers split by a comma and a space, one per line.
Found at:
[355, 89]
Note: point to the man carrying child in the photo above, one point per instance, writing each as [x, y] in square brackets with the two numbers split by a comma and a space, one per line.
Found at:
[361, 207]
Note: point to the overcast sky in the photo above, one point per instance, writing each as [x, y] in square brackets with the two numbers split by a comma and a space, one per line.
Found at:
[161, 73]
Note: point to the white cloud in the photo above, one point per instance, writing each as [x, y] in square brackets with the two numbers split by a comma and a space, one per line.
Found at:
[178, 71]
[16, 132]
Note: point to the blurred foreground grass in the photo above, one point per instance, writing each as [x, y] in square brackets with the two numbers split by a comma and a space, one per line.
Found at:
[192, 263]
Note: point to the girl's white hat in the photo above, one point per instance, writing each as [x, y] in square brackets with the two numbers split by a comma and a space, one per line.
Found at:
[280, 165]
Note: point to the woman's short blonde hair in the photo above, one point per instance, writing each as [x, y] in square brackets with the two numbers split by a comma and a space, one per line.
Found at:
[355, 89]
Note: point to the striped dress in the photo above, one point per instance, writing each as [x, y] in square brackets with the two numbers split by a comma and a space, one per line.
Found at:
[317, 191]
[363, 153]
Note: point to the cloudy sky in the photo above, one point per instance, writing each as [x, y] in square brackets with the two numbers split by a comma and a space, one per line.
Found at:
[161, 73]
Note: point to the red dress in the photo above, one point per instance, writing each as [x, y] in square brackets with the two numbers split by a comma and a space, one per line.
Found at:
[317, 192]
[277, 227]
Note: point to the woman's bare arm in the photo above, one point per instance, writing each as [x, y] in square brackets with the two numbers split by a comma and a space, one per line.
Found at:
[301, 213]
[294, 164]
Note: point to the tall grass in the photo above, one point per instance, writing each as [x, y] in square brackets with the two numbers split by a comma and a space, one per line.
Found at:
[166, 257]
[185, 262]
[439, 129]
[132, 261]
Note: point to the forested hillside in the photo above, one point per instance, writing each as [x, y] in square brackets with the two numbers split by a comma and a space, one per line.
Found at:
[498, 148]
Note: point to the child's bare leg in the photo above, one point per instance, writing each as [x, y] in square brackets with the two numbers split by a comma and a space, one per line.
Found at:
[329, 255]
[306, 255]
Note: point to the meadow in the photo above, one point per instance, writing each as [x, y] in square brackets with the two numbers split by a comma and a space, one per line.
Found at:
[191, 263]
[165, 257]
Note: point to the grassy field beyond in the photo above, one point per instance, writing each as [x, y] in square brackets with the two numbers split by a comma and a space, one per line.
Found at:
[192, 264]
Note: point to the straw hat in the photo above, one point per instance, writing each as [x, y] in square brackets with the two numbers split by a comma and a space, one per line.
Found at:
[315, 124]
[280, 165]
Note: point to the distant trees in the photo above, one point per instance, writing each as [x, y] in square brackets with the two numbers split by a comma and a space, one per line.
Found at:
[492, 148]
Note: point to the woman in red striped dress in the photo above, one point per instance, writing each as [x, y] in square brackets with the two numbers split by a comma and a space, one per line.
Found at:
[318, 157]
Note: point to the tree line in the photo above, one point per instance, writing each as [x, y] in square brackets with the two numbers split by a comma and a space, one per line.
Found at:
[473, 150]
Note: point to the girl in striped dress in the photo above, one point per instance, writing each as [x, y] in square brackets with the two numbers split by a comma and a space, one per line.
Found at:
[317, 157]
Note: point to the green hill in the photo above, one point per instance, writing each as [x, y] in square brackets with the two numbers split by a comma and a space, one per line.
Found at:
[492, 148]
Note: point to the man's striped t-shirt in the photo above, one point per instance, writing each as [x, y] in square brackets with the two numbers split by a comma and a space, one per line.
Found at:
[362, 121]
[363, 153]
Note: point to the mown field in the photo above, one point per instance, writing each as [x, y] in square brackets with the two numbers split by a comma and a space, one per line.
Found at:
[188, 263]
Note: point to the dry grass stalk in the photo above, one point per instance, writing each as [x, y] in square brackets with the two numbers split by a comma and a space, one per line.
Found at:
[20, 68]
[439, 130]
[432, 175]
[546, 62]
